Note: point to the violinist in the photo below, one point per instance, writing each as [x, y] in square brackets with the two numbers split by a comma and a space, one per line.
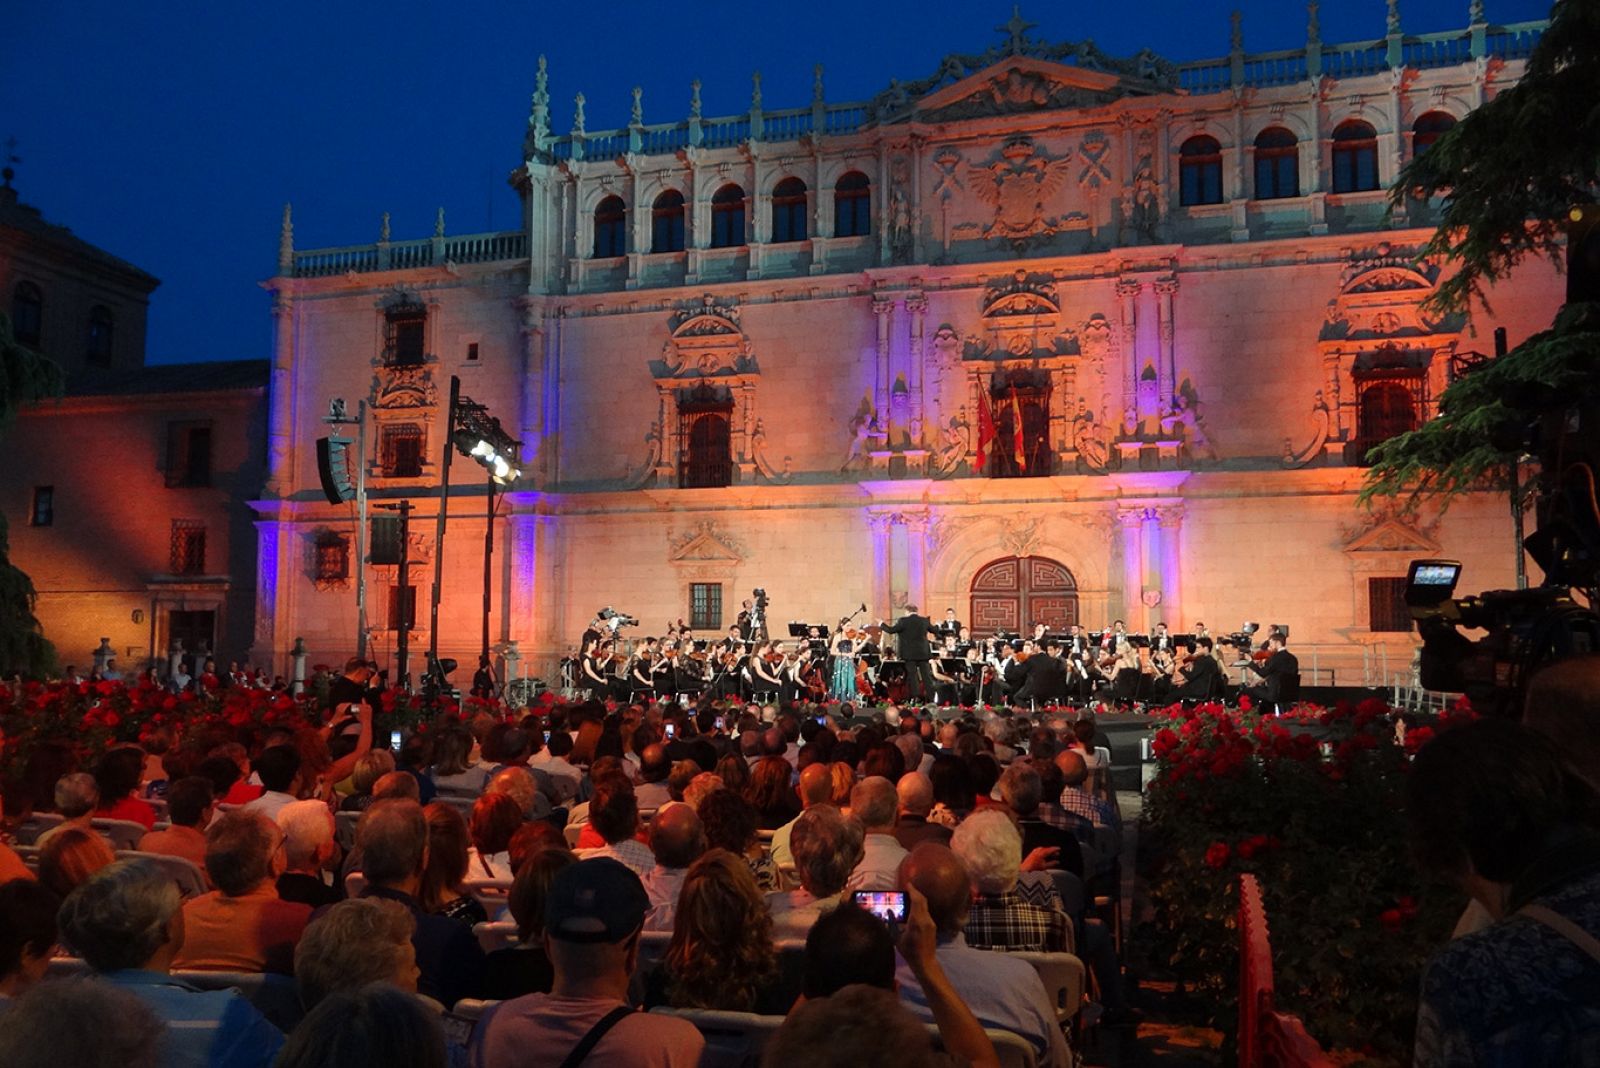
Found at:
[1201, 676]
[664, 672]
[1013, 672]
[1124, 670]
[641, 679]
[733, 643]
[973, 671]
[945, 668]
[596, 671]
[1279, 672]
[766, 672]
[1044, 676]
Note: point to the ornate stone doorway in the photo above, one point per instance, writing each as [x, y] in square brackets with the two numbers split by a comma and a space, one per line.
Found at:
[1015, 592]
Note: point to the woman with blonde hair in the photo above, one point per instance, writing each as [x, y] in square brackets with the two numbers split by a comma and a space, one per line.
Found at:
[843, 779]
[721, 955]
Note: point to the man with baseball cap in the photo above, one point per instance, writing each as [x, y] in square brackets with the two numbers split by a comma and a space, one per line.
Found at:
[593, 917]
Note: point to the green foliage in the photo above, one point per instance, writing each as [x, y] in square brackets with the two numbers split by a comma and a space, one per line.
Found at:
[1351, 923]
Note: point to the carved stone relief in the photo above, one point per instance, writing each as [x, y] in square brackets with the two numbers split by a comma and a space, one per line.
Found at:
[1018, 182]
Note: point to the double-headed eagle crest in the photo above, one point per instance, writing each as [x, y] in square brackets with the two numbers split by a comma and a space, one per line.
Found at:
[1018, 184]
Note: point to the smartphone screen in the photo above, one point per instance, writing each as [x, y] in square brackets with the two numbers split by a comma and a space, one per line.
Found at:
[672, 730]
[888, 905]
[546, 737]
[721, 723]
[394, 740]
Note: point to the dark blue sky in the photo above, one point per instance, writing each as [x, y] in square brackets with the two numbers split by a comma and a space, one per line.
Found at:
[172, 132]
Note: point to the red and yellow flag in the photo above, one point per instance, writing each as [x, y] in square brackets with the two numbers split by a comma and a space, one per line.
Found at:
[1018, 453]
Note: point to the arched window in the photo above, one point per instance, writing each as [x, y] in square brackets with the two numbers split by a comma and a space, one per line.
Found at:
[727, 217]
[102, 329]
[789, 211]
[27, 313]
[1277, 164]
[1200, 171]
[666, 222]
[610, 228]
[1355, 157]
[1429, 128]
[852, 206]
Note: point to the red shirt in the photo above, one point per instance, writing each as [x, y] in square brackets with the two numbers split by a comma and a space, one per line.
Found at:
[129, 808]
[254, 932]
[242, 793]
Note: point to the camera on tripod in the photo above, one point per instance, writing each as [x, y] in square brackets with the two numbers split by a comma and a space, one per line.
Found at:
[1526, 629]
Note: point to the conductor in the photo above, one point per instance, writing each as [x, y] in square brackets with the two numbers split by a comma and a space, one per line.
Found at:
[915, 634]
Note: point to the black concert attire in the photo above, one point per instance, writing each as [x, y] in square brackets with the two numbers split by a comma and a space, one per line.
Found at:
[743, 623]
[912, 632]
[664, 678]
[1014, 673]
[1202, 679]
[765, 679]
[640, 677]
[1280, 679]
[1044, 680]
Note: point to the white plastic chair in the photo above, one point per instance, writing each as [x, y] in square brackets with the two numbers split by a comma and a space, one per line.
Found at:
[496, 934]
[273, 995]
[1064, 976]
[190, 879]
[733, 1039]
[472, 1008]
[35, 825]
[492, 894]
[1013, 1050]
[354, 883]
[123, 834]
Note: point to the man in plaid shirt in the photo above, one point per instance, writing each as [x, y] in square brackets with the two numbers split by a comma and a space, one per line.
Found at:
[990, 846]
[1078, 802]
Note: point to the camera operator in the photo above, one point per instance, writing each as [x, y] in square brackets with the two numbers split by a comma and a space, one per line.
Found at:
[1280, 673]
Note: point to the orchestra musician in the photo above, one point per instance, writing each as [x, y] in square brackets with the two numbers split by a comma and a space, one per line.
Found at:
[1160, 640]
[1279, 672]
[1044, 676]
[914, 632]
[1201, 676]
[766, 672]
[742, 620]
[1011, 668]
[1123, 667]
[949, 626]
[971, 678]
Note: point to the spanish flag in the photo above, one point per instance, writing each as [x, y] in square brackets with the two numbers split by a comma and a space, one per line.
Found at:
[985, 428]
[1018, 453]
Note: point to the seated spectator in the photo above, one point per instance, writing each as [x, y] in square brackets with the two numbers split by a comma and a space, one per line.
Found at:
[593, 919]
[700, 787]
[127, 924]
[873, 804]
[734, 771]
[454, 770]
[915, 794]
[721, 955]
[1086, 810]
[850, 1015]
[730, 823]
[1495, 808]
[1022, 789]
[1002, 991]
[988, 844]
[12, 865]
[519, 784]
[242, 791]
[677, 838]
[70, 857]
[884, 760]
[117, 776]
[242, 925]
[372, 766]
[309, 850]
[375, 1024]
[614, 815]
[816, 788]
[525, 968]
[530, 839]
[441, 892]
[396, 786]
[565, 778]
[682, 774]
[223, 775]
[654, 768]
[843, 776]
[827, 847]
[82, 1023]
[27, 935]
[416, 755]
[769, 791]
[953, 795]
[496, 817]
[279, 769]
[393, 840]
[76, 797]
[352, 944]
[189, 812]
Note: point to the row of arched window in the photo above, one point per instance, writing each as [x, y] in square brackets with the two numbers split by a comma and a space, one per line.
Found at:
[1277, 155]
[852, 216]
[27, 323]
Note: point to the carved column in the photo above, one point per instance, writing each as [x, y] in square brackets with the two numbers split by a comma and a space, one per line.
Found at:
[1128, 295]
[1167, 368]
[917, 305]
[1336, 414]
[884, 310]
[1132, 521]
[743, 430]
[1170, 520]
[882, 600]
[666, 458]
[916, 525]
[280, 431]
[522, 532]
[531, 415]
[269, 537]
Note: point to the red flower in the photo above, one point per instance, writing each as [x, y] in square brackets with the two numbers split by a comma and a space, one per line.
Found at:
[1245, 704]
[1217, 854]
[1391, 919]
[1417, 737]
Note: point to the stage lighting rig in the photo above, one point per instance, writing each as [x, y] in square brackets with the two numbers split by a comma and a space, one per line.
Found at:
[479, 435]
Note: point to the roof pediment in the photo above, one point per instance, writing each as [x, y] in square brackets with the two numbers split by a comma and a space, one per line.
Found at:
[1392, 535]
[1020, 84]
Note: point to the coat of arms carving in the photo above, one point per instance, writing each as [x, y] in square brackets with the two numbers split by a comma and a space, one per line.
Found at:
[1019, 184]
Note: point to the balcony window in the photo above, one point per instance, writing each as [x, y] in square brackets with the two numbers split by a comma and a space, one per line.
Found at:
[1355, 157]
[1277, 164]
[789, 211]
[852, 206]
[727, 217]
[610, 228]
[1200, 171]
[666, 222]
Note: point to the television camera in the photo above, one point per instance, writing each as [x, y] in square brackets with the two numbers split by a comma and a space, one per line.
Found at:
[614, 620]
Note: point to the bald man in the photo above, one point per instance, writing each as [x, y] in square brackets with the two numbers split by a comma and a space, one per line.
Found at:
[816, 787]
[677, 838]
[652, 790]
[915, 793]
[1001, 990]
[1563, 704]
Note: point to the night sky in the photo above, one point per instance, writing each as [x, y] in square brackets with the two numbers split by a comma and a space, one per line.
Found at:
[171, 133]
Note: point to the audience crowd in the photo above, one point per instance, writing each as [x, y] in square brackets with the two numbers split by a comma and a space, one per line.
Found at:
[523, 893]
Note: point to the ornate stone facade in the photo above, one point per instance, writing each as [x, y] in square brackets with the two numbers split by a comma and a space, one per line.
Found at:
[1135, 322]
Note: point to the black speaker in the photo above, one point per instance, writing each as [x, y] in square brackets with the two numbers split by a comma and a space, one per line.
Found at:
[385, 540]
[333, 465]
[1583, 253]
